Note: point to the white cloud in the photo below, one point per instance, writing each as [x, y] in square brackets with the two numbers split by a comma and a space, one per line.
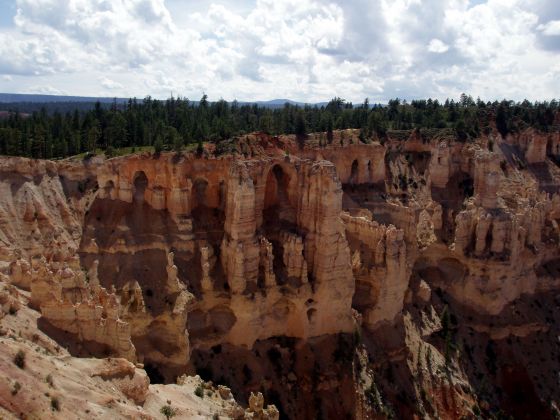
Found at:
[300, 49]
[551, 28]
[110, 84]
[437, 46]
[44, 90]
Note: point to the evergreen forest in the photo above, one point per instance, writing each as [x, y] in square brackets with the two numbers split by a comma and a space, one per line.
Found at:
[176, 123]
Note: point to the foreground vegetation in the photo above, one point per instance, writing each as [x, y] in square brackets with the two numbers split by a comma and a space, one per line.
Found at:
[176, 123]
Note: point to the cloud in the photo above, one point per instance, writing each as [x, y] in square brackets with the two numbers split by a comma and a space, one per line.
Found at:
[45, 90]
[551, 28]
[437, 46]
[307, 50]
[110, 84]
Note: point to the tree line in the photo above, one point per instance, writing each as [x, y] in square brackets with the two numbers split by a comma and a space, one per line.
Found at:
[177, 122]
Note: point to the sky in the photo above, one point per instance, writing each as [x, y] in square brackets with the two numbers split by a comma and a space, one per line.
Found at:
[304, 50]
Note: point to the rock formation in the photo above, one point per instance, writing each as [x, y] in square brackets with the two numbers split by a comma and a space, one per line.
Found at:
[266, 269]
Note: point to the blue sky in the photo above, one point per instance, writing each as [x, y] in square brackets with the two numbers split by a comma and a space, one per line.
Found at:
[8, 8]
[307, 50]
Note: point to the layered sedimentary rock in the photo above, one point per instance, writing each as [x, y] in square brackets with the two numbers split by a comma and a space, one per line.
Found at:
[76, 304]
[50, 383]
[174, 261]
[379, 266]
[275, 225]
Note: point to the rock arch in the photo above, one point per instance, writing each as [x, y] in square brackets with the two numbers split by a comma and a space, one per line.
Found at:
[208, 218]
[311, 314]
[199, 193]
[280, 218]
[440, 273]
[108, 189]
[277, 183]
[279, 206]
[140, 185]
[354, 172]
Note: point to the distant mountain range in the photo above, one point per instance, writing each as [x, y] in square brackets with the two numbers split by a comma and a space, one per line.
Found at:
[19, 98]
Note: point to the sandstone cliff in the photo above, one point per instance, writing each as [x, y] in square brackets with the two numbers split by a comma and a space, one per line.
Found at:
[314, 268]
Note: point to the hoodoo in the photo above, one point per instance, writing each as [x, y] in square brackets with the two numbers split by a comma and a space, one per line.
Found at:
[348, 279]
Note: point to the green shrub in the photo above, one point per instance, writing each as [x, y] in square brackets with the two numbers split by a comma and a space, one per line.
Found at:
[168, 411]
[503, 165]
[199, 392]
[158, 147]
[476, 410]
[16, 388]
[82, 186]
[19, 359]
[357, 336]
[55, 404]
[110, 152]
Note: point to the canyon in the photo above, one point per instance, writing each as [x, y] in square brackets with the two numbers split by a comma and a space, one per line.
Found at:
[414, 276]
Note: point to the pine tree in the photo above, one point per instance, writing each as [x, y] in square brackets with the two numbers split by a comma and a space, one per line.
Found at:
[329, 129]
[78, 128]
[158, 145]
[93, 136]
[300, 130]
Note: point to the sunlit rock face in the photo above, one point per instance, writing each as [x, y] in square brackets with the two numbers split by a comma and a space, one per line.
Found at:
[176, 261]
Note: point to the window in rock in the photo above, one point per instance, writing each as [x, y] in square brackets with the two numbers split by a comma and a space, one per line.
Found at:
[278, 210]
[208, 220]
[199, 193]
[140, 185]
[108, 189]
[354, 172]
[279, 216]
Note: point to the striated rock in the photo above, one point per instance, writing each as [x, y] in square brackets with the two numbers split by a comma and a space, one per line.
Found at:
[424, 291]
[207, 262]
[173, 285]
[20, 274]
[94, 320]
[132, 382]
[487, 179]
[193, 258]
[536, 149]
[425, 230]
[295, 263]
[224, 392]
[93, 276]
[381, 271]
[44, 286]
[533, 144]
[10, 303]
[132, 299]
[266, 262]
[440, 165]
[85, 310]
[240, 251]
[256, 402]
[256, 409]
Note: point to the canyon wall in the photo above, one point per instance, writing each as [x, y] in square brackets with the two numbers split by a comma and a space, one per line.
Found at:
[169, 260]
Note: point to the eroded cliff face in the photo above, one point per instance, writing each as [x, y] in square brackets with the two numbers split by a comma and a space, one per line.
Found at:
[398, 275]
